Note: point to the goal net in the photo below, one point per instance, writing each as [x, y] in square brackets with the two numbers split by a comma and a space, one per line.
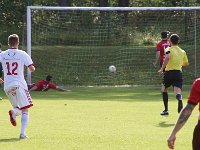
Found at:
[77, 45]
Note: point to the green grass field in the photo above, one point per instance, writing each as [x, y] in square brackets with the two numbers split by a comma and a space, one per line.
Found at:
[97, 119]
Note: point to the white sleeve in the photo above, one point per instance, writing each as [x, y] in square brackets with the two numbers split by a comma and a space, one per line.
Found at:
[27, 59]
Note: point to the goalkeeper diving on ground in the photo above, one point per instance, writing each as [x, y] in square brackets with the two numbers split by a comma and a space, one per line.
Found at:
[45, 85]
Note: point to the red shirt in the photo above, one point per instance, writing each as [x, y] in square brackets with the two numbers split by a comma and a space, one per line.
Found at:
[43, 85]
[161, 46]
[194, 97]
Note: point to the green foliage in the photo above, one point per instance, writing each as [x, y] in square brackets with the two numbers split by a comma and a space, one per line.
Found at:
[11, 18]
[13, 15]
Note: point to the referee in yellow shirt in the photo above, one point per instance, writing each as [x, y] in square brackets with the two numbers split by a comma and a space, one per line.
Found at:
[175, 59]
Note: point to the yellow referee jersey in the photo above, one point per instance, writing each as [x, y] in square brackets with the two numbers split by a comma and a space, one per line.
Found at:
[178, 57]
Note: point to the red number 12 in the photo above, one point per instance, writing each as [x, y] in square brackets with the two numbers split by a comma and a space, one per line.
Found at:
[12, 68]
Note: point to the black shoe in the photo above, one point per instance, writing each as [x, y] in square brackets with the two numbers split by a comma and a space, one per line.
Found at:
[164, 113]
[180, 106]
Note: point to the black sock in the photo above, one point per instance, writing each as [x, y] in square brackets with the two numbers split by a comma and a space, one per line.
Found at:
[179, 97]
[165, 100]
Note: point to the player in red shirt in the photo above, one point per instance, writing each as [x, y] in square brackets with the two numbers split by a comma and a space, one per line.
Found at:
[161, 46]
[160, 54]
[45, 85]
[193, 100]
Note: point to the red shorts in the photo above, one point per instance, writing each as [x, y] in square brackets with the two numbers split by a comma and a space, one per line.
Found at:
[194, 97]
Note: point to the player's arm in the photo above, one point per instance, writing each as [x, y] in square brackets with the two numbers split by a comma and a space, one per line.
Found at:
[185, 61]
[157, 57]
[55, 87]
[60, 88]
[185, 64]
[166, 60]
[31, 68]
[1, 81]
[183, 117]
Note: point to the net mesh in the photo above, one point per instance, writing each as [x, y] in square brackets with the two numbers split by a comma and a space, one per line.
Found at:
[77, 47]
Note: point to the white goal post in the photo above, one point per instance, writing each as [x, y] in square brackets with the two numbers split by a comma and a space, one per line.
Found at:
[192, 37]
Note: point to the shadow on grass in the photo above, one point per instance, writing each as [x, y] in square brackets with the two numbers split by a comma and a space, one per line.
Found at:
[101, 94]
[125, 94]
[10, 140]
[163, 124]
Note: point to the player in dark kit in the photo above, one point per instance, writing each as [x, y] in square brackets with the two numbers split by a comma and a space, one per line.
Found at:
[193, 100]
[175, 59]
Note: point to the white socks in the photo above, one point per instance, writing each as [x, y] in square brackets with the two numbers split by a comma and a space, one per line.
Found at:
[24, 118]
[24, 121]
[17, 112]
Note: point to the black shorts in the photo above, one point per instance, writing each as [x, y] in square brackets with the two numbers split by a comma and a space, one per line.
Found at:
[173, 77]
[196, 137]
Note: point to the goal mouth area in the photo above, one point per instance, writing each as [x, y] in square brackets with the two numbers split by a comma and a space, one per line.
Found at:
[80, 43]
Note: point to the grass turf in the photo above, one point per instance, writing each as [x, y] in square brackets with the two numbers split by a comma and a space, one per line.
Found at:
[97, 119]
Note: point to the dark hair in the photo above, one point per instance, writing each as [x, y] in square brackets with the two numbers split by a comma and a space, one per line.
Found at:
[174, 38]
[0, 45]
[165, 34]
[48, 78]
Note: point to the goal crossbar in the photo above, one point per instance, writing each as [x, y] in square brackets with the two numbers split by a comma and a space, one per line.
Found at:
[112, 8]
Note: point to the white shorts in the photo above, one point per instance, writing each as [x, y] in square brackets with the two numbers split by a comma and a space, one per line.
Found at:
[19, 97]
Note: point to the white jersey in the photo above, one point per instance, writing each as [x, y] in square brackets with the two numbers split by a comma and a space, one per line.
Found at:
[13, 62]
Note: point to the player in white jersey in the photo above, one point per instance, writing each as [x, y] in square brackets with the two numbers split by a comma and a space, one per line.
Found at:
[13, 61]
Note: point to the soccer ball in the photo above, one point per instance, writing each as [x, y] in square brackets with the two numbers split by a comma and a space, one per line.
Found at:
[112, 68]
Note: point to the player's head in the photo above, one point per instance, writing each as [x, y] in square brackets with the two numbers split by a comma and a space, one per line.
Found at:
[48, 78]
[174, 38]
[165, 34]
[0, 45]
[13, 40]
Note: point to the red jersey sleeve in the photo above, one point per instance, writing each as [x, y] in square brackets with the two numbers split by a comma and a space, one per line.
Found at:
[194, 97]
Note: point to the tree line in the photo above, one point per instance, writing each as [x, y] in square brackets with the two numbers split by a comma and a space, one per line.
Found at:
[13, 14]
